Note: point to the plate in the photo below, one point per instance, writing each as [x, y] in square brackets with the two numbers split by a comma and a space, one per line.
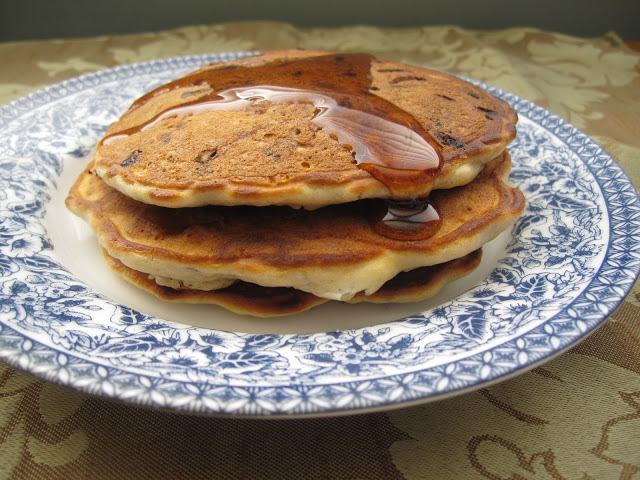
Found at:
[564, 267]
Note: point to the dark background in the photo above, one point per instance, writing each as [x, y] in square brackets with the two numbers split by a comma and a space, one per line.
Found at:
[39, 19]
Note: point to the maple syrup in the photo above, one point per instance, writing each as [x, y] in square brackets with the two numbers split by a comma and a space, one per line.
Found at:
[409, 220]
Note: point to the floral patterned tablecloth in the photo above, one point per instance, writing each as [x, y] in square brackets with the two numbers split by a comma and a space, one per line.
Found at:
[575, 417]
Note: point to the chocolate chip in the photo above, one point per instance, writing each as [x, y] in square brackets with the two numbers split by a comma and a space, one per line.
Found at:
[345, 102]
[407, 78]
[486, 110]
[131, 159]
[445, 97]
[207, 155]
[474, 95]
[448, 140]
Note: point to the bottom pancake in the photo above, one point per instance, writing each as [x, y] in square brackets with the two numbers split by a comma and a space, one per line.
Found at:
[251, 299]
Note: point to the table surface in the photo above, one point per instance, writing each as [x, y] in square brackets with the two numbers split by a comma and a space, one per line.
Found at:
[575, 417]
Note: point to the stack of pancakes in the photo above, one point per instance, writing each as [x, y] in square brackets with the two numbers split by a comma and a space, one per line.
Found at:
[274, 183]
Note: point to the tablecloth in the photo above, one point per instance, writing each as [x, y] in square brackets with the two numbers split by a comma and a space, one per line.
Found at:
[575, 417]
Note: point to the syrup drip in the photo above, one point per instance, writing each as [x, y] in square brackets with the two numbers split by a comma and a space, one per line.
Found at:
[386, 141]
[413, 220]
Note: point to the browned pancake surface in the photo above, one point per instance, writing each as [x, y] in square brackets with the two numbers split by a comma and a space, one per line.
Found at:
[274, 154]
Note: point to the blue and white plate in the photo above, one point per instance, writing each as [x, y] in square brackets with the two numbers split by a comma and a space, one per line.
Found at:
[563, 268]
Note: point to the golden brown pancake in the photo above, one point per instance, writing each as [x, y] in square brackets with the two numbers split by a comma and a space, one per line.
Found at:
[303, 128]
[334, 252]
[249, 298]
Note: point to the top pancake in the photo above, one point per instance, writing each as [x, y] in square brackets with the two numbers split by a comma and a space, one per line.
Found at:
[318, 129]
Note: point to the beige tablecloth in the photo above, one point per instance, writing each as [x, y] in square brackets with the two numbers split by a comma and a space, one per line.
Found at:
[575, 417]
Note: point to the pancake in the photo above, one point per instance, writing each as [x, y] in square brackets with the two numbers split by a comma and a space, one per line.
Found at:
[335, 252]
[252, 299]
[277, 129]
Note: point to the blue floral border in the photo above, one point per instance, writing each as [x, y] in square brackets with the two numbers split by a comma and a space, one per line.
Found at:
[53, 326]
